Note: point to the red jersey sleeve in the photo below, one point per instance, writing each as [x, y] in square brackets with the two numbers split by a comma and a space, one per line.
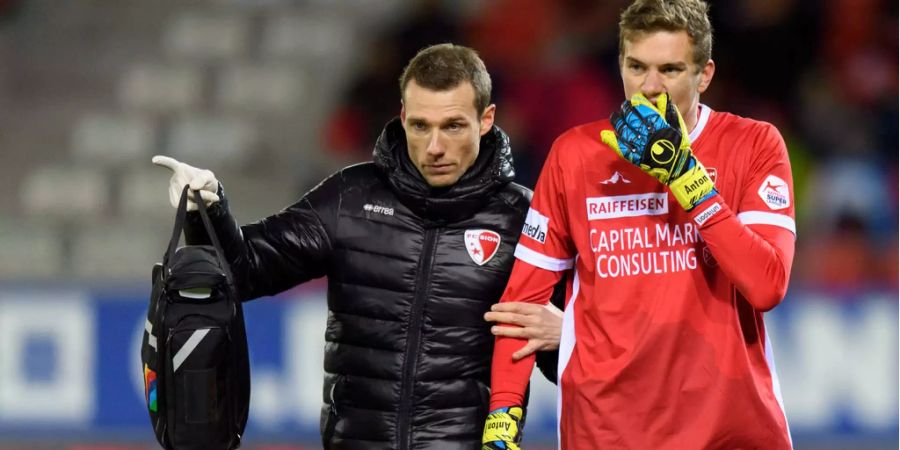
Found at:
[755, 245]
[543, 253]
[546, 241]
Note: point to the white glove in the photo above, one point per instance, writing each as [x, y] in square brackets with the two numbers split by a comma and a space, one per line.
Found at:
[200, 180]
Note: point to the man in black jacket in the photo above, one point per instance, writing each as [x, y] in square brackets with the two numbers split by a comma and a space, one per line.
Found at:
[417, 245]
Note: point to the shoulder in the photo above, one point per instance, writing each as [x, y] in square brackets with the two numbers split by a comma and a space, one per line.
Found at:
[581, 145]
[357, 177]
[584, 134]
[516, 196]
[354, 176]
[743, 127]
[362, 172]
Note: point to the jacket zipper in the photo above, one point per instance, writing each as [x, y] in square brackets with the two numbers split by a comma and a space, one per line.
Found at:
[413, 335]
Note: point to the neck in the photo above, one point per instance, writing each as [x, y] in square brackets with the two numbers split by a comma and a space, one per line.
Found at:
[692, 117]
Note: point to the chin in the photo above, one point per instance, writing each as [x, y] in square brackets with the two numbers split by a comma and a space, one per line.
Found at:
[441, 181]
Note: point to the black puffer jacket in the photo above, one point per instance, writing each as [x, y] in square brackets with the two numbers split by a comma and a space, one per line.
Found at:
[408, 353]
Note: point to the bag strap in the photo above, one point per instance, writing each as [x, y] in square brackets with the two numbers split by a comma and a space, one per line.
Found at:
[180, 215]
[180, 218]
[213, 238]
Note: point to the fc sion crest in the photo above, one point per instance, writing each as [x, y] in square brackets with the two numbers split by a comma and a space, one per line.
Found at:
[482, 245]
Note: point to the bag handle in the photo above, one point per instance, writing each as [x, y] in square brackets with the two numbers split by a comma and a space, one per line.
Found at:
[180, 218]
[213, 238]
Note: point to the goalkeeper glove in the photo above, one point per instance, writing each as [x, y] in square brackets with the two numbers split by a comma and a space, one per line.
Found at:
[503, 429]
[655, 138]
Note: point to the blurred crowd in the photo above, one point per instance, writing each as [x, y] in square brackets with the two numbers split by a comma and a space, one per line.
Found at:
[824, 72]
[275, 94]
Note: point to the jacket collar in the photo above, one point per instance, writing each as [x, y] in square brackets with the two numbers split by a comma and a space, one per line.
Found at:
[492, 169]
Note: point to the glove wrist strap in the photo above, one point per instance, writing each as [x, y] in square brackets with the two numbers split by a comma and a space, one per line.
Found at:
[692, 187]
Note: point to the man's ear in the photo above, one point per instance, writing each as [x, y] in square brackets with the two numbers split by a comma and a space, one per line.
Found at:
[706, 76]
[487, 118]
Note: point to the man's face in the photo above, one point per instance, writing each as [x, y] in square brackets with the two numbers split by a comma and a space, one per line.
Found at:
[443, 130]
[662, 61]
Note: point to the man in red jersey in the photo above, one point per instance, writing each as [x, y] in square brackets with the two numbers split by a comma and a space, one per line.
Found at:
[676, 233]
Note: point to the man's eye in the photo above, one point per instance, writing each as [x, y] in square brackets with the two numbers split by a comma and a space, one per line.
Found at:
[418, 126]
[454, 126]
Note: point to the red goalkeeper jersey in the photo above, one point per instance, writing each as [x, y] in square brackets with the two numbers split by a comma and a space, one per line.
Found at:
[663, 345]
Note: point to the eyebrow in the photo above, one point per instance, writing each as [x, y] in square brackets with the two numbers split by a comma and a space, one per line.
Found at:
[677, 65]
[451, 119]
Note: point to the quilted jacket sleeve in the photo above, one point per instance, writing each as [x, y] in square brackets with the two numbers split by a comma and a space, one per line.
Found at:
[279, 251]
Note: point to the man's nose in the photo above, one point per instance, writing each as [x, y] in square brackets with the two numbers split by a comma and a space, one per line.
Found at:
[652, 85]
[435, 146]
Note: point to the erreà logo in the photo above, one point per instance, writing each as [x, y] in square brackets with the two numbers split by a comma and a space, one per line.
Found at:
[482, 245]
[774, 192]
[378, 209]
[536, 226]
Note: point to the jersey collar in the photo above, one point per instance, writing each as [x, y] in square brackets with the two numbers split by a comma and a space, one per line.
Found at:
[701, 122]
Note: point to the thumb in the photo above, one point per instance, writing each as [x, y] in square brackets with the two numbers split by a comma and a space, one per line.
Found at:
[663, 104]
[609, 138]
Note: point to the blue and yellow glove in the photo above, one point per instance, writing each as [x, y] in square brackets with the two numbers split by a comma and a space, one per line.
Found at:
[503, 429]
[655, 138]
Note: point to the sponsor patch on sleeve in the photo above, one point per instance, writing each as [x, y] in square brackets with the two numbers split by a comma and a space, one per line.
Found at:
[774, 192]
[707, 213]
[536, 226]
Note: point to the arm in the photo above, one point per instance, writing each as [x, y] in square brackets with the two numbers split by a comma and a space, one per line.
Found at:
[755, 247]
[543, 254]
[541, 325]
[532, 287]
[756, 258]
[271, 255]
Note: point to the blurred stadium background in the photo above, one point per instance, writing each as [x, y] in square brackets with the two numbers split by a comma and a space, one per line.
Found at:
[275, 94]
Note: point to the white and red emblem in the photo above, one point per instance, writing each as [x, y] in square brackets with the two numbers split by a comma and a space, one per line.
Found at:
[774, 191]
[482, 245]
[713, 174]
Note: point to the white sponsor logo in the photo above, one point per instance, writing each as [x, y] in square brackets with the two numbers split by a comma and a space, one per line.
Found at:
[774, 191]
[378, 209]
[482, 245]
[616, 178]
[713, 174]
[536, 226]
[651, 204]
[707, 213]
[633, 251]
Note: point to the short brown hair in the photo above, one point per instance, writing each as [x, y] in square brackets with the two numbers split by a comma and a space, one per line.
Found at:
[444, 66]
[647, 16]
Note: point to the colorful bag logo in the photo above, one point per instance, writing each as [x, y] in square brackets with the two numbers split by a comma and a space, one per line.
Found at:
[150, 388]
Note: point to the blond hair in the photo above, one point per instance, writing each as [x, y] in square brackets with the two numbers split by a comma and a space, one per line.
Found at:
[691, 16]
